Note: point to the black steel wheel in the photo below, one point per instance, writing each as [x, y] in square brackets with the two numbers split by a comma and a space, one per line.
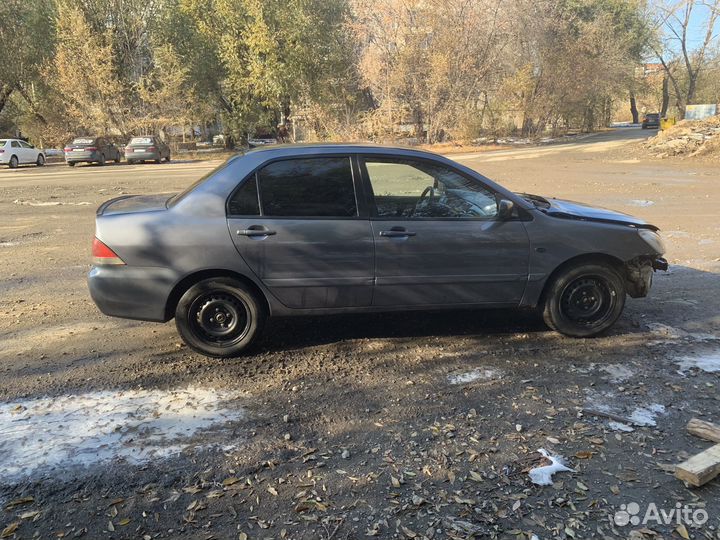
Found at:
[584, 300]
[219, 317]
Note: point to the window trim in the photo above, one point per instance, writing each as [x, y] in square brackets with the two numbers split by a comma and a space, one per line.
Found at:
[370, 201]
[358, 192]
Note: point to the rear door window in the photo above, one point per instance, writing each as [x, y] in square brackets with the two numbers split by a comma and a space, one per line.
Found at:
[309, 187]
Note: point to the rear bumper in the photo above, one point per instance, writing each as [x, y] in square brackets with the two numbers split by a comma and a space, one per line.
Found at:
[82, 157]
[142, 156]
[131, 292]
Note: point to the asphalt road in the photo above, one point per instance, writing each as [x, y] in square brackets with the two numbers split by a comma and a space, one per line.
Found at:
[392, 426]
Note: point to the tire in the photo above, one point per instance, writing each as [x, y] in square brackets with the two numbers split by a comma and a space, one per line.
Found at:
[167, 159]
[243, 317]
[101, 161]
[131, 162]
[40, 160]
[584, 300]
[13, 164]
[71, 163]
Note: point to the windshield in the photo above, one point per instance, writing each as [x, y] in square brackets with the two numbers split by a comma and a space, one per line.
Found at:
[83, 140]
[141, 140]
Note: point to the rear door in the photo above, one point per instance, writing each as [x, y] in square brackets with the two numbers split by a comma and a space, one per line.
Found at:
[29, 155]
[296, 223]
[438, 238]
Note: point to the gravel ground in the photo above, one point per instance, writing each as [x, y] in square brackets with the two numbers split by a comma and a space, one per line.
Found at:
[412, 425]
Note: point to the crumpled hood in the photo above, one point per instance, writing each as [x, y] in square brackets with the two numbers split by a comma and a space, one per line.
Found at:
[573, 210]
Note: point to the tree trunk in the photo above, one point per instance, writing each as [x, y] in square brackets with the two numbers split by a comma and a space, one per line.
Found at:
[633, 109]
[665, 98]
[5, 91]
[692, 88]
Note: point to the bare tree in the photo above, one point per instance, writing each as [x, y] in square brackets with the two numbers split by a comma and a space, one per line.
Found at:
[675, 50]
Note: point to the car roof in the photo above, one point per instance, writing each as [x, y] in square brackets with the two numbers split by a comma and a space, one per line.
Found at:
[287, 150]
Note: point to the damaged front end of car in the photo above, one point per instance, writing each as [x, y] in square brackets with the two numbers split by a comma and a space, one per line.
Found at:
[639, 274]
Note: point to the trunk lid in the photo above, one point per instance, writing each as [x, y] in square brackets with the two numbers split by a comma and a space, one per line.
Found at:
[129, 204]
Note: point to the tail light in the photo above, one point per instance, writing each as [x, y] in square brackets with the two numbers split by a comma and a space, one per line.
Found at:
[67, 149]
[102, 254]
[90, 148]
[128, 149]
[2, 150]
[152, 149]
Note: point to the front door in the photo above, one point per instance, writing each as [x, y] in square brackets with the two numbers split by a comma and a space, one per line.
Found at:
[297, 226]
[438, 238]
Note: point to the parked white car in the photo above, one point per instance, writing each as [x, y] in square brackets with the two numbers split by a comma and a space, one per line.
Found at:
[14, 152]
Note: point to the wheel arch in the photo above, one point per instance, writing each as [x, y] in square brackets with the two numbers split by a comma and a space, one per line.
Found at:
[585, 258]
[188, 281]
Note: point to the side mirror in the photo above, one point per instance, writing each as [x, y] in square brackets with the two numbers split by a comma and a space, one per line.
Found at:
[506, 209]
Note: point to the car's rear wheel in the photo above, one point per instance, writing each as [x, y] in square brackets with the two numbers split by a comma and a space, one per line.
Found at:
[40, 160]
[71, 163]
[219, 317]
[13, 162]
[584, 300]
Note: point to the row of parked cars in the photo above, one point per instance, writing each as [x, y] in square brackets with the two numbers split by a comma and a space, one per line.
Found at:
[101, 150]
[16, 152]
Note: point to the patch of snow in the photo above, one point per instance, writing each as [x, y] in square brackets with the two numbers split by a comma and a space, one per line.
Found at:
[645, 416]
[708, 362]
[137, 426]
[9, 244]
[619, 426]
[542, 476]
[49, 203]
[618, 372]
[639, 202]
[479, 374]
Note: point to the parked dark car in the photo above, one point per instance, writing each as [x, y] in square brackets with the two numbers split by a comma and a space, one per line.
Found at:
[311, 229]
[146, 148]
[651, 120]
[91, 150]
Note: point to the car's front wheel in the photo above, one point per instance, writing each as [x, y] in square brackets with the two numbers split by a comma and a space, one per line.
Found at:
[40, 160]
[219, 317]
[584, 300]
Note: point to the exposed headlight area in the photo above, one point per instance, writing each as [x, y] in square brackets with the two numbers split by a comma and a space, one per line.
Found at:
[653, 239]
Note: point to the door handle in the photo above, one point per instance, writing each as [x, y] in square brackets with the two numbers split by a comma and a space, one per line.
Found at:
[397, 232]
[256, 231]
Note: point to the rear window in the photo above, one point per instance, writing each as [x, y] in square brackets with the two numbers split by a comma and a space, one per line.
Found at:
[312, 187]
[83, 140]
[3, 142]
[141, 140]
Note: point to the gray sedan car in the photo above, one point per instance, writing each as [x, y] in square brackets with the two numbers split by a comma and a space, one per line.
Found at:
[146, 148]
[319, 229]
[91, 150]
